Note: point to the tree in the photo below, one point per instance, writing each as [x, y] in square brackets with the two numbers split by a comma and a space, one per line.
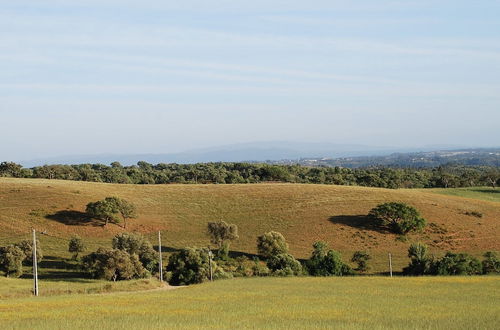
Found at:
[221, 233]
[284, 264]
[127, 210]
[27, 247]
[106, 209]
[457, 264]
[271, 244]
[399, 217]
[420, 263]
[492, 176]
[326, 262]
[361, 258]
[136, 244]
[113, 264]
[11, 260]
[491, 263]
[191, 266]
[76, 246]
[11, 169]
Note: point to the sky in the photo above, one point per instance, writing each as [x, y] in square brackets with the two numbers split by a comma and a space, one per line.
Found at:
[119, 76]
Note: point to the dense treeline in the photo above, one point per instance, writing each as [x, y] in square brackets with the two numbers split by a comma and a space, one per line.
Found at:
[145, 173]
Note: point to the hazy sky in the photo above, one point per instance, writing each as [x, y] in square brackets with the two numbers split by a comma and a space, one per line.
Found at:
[102, 76]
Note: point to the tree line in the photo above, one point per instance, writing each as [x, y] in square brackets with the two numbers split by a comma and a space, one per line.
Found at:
[232, 173]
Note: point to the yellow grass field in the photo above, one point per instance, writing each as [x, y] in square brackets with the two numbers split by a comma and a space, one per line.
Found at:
[287, 303]
[303, 213]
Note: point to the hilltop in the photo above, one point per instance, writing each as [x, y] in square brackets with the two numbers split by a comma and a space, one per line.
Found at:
[303, 213]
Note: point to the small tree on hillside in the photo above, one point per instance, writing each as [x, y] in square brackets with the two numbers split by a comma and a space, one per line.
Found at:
[11, 260]
[27, 247]
[400, 217]
[127, 211]
[136, 244]
[221, 233]
[76, 246]
[361, 258]
[419, 261]
[271, 244]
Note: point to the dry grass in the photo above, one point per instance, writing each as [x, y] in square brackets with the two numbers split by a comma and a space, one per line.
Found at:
[303, 213]
[287, 303]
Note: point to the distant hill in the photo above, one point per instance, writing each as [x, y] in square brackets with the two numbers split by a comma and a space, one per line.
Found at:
[257, 152]
[468, 157]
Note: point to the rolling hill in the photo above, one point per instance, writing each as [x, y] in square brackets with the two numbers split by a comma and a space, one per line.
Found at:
[303, 213]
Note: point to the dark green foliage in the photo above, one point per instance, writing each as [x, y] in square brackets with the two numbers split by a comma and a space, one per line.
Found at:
[361, 258]
[11, 260]
[76, 246]
[284, 265]
[326, 262]
[221, 233]
[27, 247]
[457, 264]
[491, 263]
[399, 217]
[420, 263]
[191, 266]
[474, 214]
[136, 244]
[271, 244]
[110, 209]
[113, 264]
[383, 177]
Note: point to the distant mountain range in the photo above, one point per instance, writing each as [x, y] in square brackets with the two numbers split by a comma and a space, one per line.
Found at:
[328, 154]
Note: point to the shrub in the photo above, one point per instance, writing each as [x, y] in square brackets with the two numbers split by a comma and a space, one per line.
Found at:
[491, 263]
[259, 268]
[457, 264]
[419, 261]
[11, 260]
[113, 264]
[76, 246]
[191, 266]
[284, 265]
[361, 258]
[271, 244]
[399, 217]
[136, 244]
[27, 247]
[325, 262]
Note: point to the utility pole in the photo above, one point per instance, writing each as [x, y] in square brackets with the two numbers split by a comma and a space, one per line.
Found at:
[161, 261]
[35, 266]
[210, 263]
[390, 264]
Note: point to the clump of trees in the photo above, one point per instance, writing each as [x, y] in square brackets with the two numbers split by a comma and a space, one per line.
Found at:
[131, 256]
[326, 262]
[191, 266]
[372, 176]
[271, 244]
[398, 217]
[273, 247]
[450, 264]
[221, 234]
[112, 209]
[14, 256]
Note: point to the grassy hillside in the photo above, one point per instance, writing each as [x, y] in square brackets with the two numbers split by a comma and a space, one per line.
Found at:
[303, 213]
[292, 303]
[483, 193]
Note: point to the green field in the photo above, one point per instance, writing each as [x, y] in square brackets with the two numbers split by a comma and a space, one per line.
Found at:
[483, 193]
[346, 303]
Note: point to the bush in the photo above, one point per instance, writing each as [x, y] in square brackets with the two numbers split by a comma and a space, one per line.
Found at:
[284, 265]
[419, 261]
[491, 263]
[191, 266]
[399, 217]
[325, 262]
[27, 247]
[11, 260]
[136, 244]
[76, 246]
[271, 244]
[361, 258]
[457, 264]
[113, 264]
